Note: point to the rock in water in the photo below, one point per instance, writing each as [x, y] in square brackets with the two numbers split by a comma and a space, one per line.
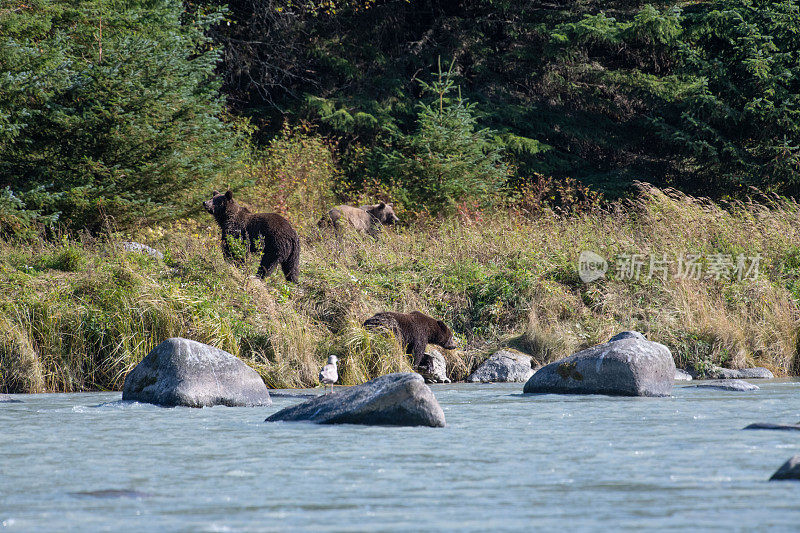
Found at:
[735, 385]
[5, 398]
[789, 470]
[744, 373]
[433, 367]
[503, 367]
[627, 365]
[780, 427]
[400, 399]
[188, 373]
[682, 375]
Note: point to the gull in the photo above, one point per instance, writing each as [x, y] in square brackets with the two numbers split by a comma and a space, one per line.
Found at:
[328, 375]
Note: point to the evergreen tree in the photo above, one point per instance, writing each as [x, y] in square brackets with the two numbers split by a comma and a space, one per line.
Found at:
[449, 159]
[108, 108]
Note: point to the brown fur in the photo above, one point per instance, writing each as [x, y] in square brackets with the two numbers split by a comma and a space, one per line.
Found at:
[281, 243]
[414, 330]
[366, 219]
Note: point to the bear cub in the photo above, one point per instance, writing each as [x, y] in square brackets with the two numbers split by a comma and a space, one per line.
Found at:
[365, 219]
[281, 243]
[414, 330]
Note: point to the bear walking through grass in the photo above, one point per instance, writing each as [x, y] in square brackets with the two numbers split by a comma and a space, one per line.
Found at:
[281, 243]
[414, 330]
[366, 219]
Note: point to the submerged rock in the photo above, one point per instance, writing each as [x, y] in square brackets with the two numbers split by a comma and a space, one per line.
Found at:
[188, 373]
[5, 398]
[789, 470]
[627, 365]
[131, 246]
[726, 384]
[503, 367]
[744, 373]
[682, 375]
[400, 399]
[433, 367]
[781, 427]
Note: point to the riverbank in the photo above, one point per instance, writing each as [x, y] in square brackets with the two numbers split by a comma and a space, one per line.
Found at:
[718, 286]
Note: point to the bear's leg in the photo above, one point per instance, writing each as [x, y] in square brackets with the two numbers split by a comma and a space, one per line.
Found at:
[226, 249]
[269, 261]
[418, 351]
[291, 265]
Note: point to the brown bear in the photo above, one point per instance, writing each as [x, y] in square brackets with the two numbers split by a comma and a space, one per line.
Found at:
[365, 219]
[414, 330]
[281, 243]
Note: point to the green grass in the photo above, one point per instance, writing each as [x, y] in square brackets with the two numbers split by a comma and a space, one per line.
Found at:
[79, 315]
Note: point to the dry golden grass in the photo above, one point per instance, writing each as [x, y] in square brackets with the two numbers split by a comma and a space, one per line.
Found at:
[79, 315]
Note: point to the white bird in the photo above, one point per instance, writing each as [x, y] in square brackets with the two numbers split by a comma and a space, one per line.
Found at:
[328, 375]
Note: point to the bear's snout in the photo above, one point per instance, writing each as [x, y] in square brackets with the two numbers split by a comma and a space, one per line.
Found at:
[209, 205]
[451, 344]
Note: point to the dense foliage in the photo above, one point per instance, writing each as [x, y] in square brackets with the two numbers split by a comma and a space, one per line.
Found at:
[701, 95]
[106, 108]
[117, 109]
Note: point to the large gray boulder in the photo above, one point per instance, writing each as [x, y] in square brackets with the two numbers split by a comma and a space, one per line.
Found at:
[400, 399]
[789, 470]
[627, 365]
[743, 373]
[188, 373]
[503, 367]
[735, 385]
[433, 367]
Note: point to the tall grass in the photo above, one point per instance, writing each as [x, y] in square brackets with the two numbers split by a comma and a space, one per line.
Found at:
[77, 315]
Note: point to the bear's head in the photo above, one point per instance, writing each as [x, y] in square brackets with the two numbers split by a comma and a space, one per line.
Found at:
[444, 336]
[383, 213]
[220, 204]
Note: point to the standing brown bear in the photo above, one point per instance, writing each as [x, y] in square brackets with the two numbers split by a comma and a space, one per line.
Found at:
[414, 330]
[281, 243]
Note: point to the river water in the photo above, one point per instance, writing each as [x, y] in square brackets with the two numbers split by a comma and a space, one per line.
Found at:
[505, 462]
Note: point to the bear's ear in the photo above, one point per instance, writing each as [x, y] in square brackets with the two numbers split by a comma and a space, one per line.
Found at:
[214, 193]
[381, 205]
[229, 195]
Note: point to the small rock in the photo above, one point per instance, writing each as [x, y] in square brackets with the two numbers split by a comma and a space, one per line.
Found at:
[5, 398]
[726, 384]
[682, 375]
[400, 399]
[131, 246]
[627, 366]
[188, 373]
[627, 335]
[744, 373]
[789, 470]
[433, 367]
[782, 427]
[503, 367]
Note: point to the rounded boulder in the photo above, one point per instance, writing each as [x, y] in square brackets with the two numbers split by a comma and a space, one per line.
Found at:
[183, 372]
[627, 366]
